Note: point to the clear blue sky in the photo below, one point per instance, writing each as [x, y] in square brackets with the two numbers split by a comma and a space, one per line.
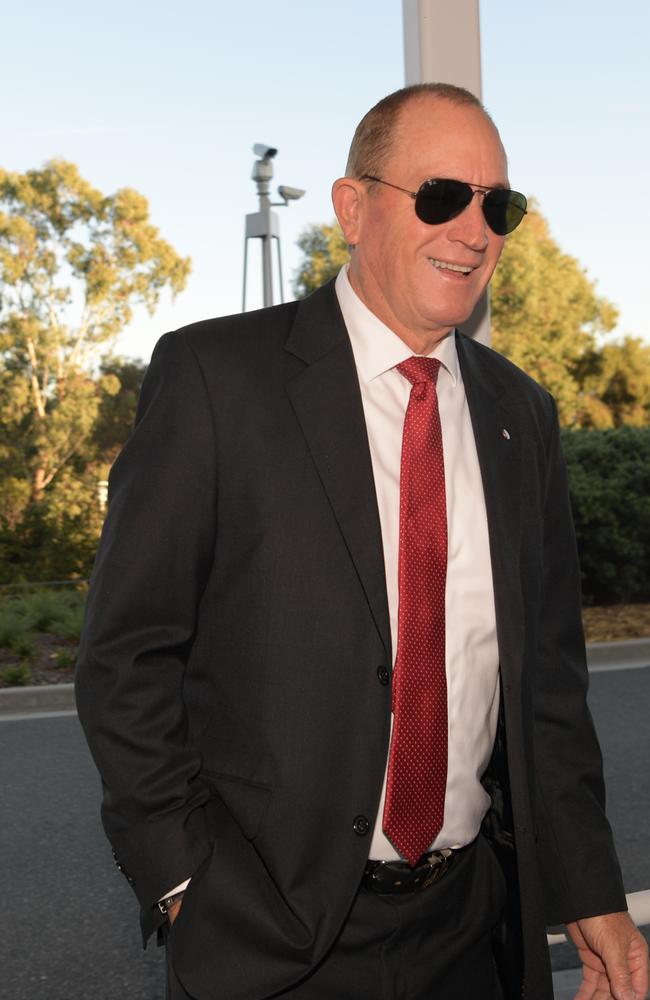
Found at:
[168, 98]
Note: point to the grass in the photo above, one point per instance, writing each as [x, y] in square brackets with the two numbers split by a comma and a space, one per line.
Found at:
[39, 632]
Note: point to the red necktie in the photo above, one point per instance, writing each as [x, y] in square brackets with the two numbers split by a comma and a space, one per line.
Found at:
[417, 766]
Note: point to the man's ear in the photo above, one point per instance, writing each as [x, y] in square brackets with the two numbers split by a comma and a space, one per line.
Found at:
[347, 195]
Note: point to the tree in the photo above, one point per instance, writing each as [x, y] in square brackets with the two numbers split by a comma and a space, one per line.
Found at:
[546, 315]
[616, 385]
[73, 264]
[116, 413]
[325, 252]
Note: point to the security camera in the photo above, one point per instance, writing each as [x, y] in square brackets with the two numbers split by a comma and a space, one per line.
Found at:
[289, 193]
[264, 152]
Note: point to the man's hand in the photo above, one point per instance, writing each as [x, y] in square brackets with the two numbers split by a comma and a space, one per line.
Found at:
[614, 958]
[174, 910]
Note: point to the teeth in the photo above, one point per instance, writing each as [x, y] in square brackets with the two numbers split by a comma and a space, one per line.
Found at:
[450, 267]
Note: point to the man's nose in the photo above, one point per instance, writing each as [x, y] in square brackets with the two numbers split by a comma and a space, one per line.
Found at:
[470, 226]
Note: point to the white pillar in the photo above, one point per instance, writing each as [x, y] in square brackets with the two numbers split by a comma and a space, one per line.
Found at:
[442, 43]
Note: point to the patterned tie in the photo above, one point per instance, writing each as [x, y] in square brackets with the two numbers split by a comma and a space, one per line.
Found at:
[417, 766]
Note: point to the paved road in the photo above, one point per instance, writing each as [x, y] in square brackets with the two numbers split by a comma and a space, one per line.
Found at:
[620, 704]
[69, 924]
[69, 927]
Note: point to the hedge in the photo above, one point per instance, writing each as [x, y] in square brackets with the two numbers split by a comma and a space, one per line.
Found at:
[609, 479]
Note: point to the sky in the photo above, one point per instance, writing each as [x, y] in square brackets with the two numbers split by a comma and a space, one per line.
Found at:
[169, 98]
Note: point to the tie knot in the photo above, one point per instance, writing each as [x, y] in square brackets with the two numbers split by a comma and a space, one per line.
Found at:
[418, 369]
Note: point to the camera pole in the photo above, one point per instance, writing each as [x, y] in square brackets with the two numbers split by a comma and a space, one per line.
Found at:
[263, 225]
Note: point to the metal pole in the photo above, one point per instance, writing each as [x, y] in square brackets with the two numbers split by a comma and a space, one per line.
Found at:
[442, 42]
[267, 264]
[280, 281]
[263, 225]
[243, 294]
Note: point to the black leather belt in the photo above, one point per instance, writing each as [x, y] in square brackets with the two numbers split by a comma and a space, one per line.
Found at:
[398, 876]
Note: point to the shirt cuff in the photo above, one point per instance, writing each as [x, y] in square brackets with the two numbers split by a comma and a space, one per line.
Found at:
[179, 888]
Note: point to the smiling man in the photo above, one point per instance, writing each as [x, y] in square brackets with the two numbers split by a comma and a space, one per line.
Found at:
[333, 671]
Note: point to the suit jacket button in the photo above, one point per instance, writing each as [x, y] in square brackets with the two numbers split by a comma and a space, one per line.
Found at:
[361, 825]
[120, 867]
[383, 675]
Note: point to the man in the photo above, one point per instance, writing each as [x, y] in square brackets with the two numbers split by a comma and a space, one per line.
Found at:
[329, 510]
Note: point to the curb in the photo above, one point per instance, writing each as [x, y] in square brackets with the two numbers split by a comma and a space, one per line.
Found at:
[627, 655]
[39, 698]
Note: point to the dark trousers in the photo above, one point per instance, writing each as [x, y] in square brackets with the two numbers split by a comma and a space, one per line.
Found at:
[431, 945]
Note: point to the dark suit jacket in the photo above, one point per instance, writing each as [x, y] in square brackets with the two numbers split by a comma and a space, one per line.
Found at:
[228, 676]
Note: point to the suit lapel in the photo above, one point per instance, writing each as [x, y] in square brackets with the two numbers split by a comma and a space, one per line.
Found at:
[327, 402]
[498, 444]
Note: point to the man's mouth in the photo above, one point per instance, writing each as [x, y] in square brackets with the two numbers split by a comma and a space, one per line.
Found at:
[444, 265]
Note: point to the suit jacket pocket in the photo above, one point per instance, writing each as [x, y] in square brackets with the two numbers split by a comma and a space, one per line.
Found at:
[245, 799]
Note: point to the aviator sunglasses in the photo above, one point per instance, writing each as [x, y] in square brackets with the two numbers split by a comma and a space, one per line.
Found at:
[440, 199]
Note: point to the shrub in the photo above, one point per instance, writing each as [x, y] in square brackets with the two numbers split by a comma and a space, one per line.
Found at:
[65, 658]
[609, 478]
[12, 627]
[52, 610]
[22, 644]
[42, 609]
[17, 675]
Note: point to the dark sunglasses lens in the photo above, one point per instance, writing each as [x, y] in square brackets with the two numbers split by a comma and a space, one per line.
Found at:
[503, 210]
[441, 200]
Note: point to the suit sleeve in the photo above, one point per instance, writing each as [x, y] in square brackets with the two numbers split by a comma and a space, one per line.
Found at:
[578, 864]
[153, 561]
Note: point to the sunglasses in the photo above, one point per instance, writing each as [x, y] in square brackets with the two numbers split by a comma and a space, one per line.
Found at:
[440, 199]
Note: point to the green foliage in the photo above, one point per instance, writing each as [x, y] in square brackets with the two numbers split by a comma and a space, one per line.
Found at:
[22, 645]
[546, 313]
[616, 385]
[42, 609]
[16, 675]
[64, 658]
[57, 537]
[27, 614]
[24, 613]
[116, 412]
[609, 475]
[73, 264]
[69, 623]
[12, 627]
[325, 252]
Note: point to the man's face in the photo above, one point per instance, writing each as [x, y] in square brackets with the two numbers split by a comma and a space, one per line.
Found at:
[395, 266]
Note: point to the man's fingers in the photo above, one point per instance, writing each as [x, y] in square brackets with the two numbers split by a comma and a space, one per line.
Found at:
[614, 956]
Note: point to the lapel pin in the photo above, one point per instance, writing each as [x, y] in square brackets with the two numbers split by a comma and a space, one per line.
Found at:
[504, 434]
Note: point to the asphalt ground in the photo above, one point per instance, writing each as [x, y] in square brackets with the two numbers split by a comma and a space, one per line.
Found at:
[69, 926]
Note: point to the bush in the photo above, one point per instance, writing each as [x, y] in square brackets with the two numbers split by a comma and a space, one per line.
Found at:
[609, 478]
[65, 658]
[22, 644]
[17, 675]
[51, 610]
[42, 609]
[12, 627]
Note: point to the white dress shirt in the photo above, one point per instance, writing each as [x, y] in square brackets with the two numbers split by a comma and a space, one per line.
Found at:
[471, 645]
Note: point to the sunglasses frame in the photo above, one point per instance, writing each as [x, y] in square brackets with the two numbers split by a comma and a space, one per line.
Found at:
[473, 188]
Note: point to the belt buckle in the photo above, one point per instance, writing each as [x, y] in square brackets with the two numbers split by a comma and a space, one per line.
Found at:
[437, 866]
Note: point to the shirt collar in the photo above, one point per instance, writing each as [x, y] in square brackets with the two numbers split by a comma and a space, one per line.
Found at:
[375, 347]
